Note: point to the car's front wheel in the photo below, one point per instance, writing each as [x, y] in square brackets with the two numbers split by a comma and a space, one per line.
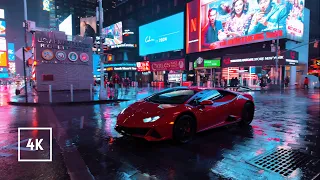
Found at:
[247, 114]
[184, 129]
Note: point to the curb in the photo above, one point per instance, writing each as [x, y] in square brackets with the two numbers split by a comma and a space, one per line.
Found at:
[67, 103]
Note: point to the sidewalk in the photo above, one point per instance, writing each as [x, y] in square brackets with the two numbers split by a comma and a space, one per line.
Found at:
[80, 97]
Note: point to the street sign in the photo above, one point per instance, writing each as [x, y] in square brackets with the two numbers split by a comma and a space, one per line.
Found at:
[31, 26]
[19, 54]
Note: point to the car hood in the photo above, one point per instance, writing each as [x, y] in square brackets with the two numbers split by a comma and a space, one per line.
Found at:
[135, 113]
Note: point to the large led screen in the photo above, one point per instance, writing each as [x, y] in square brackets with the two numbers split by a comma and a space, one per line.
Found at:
[66, 25]
[3, 44]
[3, 59]
[162, 36]
[11, 51]
[215, 24]
[1, 13]
[113, 34]
[2, 28]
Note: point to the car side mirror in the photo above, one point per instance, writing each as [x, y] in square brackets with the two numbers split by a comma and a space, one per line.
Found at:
[206, 102]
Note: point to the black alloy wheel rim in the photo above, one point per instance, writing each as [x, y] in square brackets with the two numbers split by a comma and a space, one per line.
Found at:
[184, 130]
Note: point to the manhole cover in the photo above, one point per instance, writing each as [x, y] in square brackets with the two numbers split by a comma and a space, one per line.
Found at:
[283, 161]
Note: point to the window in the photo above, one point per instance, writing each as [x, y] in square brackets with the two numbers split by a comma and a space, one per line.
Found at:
[171, 96]
[205, 95]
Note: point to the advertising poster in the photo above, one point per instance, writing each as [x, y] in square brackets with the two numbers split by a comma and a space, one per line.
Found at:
[4, 73]
[162, 36]
[113, 34]
[3, 44]
[92, 21]
[215, 24]
[1, 13]
[11, 51]
[2, 28]
[143, 66]
[3, 59]
[168, 65]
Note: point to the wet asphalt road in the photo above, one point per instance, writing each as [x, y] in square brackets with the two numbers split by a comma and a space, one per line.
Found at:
[290, 119]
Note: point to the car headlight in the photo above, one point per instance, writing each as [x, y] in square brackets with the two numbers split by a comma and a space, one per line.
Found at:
[123, 110]
[151, 119]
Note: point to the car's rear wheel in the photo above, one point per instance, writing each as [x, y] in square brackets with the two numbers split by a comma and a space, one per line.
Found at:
[247, 114]
[184, 129]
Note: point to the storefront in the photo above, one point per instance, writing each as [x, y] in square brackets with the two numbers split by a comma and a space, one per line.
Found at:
[124, 70]
[208, 71]
[166, 72]
[249, 68]
[144, 74]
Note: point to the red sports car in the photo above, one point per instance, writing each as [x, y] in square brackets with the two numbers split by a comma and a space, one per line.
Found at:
[179, 113]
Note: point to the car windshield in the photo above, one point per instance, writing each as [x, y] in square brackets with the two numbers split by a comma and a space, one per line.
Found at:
[172, 96]
[204, 95]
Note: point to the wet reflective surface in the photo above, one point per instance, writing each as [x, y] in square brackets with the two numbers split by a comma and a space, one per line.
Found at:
[91, 147]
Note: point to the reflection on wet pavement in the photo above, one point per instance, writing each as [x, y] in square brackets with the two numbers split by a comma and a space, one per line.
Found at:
[290, 119]
[12, 117]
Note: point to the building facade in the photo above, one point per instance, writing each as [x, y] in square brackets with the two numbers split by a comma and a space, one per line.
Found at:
[61, 9]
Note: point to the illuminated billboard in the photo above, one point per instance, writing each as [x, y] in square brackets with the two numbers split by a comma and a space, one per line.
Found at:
[46, 5]
[3, 59]
[3, 44]
[1, 13]
[2, 28]
[11, 51]
[4, 73]
[91, 21]
[66, 25]
[113, 34]
[162, 36]
[216, 24]
[143, 66]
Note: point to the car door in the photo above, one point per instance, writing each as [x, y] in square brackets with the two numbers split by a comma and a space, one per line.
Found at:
[210, 115]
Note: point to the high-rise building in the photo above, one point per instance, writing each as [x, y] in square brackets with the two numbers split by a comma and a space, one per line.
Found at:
[61, 9]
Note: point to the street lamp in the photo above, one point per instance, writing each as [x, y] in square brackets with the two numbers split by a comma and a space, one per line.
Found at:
[102, 92]
[23, 50]
[277, 54]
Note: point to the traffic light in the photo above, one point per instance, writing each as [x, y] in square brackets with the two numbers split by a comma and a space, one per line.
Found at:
[109, 57]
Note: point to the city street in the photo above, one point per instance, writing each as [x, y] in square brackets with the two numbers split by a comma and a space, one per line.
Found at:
[94, 150]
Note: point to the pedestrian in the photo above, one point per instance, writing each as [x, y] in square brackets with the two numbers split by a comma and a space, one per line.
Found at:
[286, 82]
[306, 83]
[232, 82]
[262, 85]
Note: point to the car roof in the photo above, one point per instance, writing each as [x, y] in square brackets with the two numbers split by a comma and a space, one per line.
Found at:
[196, 88]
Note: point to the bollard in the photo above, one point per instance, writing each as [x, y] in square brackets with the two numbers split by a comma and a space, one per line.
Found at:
[170, 85]
[71, 92]
[91, 92]
[148, 85]
[81, 122]
[50, 93]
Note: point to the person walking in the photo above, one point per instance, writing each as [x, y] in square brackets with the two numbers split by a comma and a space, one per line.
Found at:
[306, 83]
[286, 82]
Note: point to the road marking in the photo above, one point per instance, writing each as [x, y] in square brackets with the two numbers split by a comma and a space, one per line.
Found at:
[13, 146]
[5, 155]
